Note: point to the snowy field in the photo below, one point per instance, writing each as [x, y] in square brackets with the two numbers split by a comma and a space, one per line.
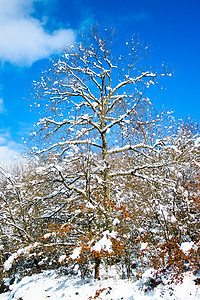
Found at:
[50, 285]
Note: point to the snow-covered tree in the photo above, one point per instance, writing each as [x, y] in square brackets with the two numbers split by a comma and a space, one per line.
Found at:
[171, 233]
[108, 169]
[14, 217]
[95, 112]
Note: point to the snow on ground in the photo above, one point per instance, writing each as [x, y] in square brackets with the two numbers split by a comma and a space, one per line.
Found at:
[50, 285]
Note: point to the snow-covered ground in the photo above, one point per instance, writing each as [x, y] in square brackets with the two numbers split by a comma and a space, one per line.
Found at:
[50, 285]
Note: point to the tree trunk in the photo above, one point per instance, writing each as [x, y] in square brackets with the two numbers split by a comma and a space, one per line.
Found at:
[96, 267]
[1, 273]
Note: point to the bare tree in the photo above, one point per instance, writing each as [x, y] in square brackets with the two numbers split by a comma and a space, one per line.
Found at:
[96, 110]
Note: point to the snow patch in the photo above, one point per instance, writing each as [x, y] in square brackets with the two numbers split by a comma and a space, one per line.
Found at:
[105, 242]
[49, 285]
[143, 246]
[76, 253]
[187, 246]
[61, 258]
[116, 221]
[8, 263]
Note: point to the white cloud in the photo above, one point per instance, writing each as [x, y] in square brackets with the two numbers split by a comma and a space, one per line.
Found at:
[2, 140]
[10, 158]
[7, 154]
[23, 39]
[9, 150]
[2, 108]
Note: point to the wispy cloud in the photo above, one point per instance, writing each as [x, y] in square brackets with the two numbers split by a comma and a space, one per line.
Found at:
[9, 149]
[23, 38]
[2, 108]
[7, 154]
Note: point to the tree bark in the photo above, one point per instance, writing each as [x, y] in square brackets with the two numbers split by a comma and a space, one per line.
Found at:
[96, 267]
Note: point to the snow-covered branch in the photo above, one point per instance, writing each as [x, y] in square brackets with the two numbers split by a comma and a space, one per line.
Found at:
[68, 143]
[131, 147]
[133, 81]
[20, 229]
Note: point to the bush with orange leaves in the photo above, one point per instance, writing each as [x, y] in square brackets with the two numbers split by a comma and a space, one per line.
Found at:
[175, 248]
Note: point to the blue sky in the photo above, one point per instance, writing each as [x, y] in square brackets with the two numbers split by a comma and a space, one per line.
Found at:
[31, 31]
